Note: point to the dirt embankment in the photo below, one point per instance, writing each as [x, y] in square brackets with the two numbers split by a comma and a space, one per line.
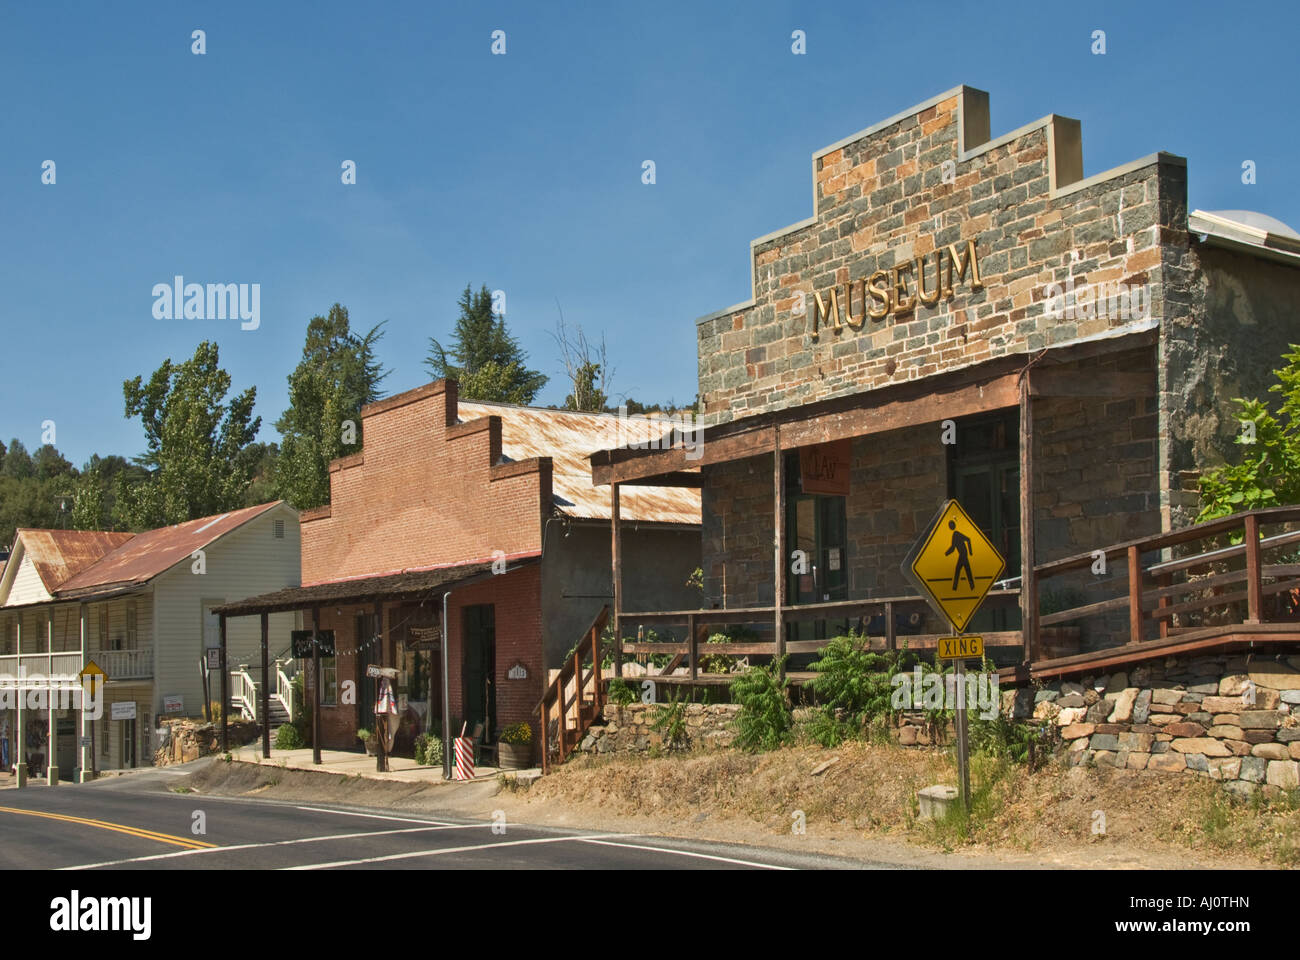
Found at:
[862, 805]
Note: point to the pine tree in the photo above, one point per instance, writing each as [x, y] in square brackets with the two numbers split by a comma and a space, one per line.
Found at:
[483, 357]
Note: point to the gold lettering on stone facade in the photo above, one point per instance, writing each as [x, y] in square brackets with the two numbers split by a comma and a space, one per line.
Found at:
[890, 293]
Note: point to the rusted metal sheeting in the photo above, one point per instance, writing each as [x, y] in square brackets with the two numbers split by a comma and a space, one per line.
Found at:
[59, 555]
[569, 438]
[148, 554]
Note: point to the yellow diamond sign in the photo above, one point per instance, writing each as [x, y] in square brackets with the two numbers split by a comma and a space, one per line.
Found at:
[93, 673]
[954, 565]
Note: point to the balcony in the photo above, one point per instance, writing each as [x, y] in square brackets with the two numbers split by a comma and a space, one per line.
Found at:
[134, 664]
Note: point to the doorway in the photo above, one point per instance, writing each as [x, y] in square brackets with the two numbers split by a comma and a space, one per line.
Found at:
[479, 670]
[984, 477]
[368, 654]
[817, 525]
[129, 756]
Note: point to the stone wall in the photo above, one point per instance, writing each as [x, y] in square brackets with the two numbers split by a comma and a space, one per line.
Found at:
[627, 729]
[186, 740]
[882, 199]
[1230, 718]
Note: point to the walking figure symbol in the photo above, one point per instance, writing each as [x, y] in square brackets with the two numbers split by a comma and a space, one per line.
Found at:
[961, 543]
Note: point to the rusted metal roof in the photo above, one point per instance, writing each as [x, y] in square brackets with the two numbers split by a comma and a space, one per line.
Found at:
[365, 589]
[569, 438]
[59, 555]
[146, 555]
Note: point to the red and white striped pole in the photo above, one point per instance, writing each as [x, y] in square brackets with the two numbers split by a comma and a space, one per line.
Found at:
[464, 756]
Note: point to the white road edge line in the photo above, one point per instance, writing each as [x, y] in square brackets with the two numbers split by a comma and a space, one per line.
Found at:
[276, 843]
[444, 850]
[690, 853]
[378, 816]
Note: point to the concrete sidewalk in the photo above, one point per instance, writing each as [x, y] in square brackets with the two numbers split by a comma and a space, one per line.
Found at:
[349, 763]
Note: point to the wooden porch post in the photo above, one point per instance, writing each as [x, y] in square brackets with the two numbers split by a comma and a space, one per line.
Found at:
[225, 691]
[778, 555]
[616, 558]
[1134, 595]
[52, 750]
[1028, 581]
[266, 690]
[315, 693]
[1254, 589]
[381, 754]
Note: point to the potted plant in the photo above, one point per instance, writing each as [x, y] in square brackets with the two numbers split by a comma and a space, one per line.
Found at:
[515, 751]
[368, 737]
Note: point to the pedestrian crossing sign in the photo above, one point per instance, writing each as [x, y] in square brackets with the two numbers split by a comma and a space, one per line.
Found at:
[954, 565]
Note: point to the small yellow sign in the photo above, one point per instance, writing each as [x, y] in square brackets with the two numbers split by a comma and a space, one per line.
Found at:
[956, 565]
[961, 648]
[92, 672]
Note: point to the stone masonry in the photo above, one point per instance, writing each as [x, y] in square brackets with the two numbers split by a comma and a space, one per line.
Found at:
[1229, 718]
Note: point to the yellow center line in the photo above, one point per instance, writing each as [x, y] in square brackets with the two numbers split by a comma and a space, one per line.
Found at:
[116, 827]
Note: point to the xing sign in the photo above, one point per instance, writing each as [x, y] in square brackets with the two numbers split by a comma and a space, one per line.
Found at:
[954, 565]
[960, 648]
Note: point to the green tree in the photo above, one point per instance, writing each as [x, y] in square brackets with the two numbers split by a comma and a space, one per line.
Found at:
[195, 442]
[88, 500]
[1269, 472]
[483, 357]
[337, 375]
[17, 461]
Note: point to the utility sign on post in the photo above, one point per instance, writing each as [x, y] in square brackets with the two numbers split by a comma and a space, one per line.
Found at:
[954, 566]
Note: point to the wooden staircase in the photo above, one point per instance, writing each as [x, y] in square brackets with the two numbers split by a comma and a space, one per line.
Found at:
[575, 699]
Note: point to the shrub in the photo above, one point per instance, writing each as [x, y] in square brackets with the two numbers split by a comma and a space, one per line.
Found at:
[1269, 472]
[364, 734]
[621, 692]
[517, 733]
[764, 719]
[670, 722]
[428, 749]
[287, 737]
[854, 685]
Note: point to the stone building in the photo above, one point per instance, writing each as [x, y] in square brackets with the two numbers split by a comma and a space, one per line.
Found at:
[972, 317]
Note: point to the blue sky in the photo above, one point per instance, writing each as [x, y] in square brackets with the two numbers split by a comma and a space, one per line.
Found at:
[520, 171]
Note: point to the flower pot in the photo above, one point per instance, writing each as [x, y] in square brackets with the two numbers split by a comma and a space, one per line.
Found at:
[515, 756]
[372, 747]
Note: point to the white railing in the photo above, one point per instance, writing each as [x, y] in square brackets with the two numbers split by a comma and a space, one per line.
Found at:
[243, 692]
[60, 666]
[284, 671]
[134, 664]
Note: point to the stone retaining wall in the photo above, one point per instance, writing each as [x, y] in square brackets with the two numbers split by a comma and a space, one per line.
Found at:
[1230, 718]
[628, 729]
[186, 740]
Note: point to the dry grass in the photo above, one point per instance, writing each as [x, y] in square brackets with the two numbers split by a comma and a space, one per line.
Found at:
[1158, 819]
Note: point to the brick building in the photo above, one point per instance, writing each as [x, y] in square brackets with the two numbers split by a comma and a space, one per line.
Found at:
[970, 316]
[489, 510]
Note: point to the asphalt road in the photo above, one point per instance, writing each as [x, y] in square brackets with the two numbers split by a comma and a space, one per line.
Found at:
[136, 823]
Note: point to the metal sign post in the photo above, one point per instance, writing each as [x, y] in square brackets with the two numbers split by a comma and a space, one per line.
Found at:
[954, 565]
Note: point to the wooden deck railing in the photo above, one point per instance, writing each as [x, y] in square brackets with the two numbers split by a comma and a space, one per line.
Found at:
[1152, 598]
[565, 698]
[864, 611]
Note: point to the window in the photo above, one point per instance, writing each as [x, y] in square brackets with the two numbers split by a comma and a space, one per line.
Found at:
[329, 681]
[104, 729]
[130, 625]
[103, 627]
[10, 636]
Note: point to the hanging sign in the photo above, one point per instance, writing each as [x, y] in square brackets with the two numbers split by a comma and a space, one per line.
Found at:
[824, 467]
[302, 643]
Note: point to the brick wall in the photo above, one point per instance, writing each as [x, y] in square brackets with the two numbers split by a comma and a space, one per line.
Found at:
[517, 598]
[423, 493]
